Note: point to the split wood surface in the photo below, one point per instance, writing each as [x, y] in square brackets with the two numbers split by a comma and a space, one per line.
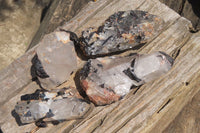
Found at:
[151, 108]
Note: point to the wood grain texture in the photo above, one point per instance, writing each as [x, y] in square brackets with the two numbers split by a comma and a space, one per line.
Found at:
[188, 119]
[150, 108]
[186, 8]
[15, 76]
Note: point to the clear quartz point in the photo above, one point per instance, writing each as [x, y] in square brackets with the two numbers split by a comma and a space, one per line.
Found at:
[106, 80]
[51, 106]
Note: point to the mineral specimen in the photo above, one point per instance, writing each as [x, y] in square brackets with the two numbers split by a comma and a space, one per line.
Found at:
[121, 31]
[106, 80]
[55, 60]
[50, 106]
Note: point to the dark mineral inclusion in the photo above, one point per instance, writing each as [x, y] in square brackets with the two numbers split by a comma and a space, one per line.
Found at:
[106, 80]
[51, 106]
[121, 31]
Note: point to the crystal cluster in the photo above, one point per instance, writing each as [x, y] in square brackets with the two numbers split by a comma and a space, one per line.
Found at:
[106, 80]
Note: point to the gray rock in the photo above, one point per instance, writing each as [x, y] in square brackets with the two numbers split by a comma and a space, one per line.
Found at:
[56, 59]
[51, 106]
[106, 80]
[121, 31]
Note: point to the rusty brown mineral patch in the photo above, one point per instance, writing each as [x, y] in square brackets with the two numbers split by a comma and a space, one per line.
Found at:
[121, 31]
[99, 96]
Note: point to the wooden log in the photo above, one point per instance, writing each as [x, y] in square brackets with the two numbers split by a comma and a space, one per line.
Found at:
[149, 108]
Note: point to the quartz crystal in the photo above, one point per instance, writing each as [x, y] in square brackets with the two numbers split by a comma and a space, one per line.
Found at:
[51, 106]
[106, 80]
[55, 60]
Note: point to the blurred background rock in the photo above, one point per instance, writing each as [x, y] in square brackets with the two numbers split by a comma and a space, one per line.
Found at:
[19, 21]
[24, 22]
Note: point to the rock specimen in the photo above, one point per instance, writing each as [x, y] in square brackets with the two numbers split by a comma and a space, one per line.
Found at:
[106, 80]
[121, 31]
[51, 106]
[55, 60]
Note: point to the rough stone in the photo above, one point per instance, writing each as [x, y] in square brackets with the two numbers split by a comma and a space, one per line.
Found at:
[19, 21]
[55, 60]
[106, 80]
[51, 106]
[121, 31]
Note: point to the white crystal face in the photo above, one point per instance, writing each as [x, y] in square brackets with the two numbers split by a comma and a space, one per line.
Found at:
[112, 74]
[150, 67]
[39, 109]
[68, 108]
[145, 65]
[29, 112]
[116, 79]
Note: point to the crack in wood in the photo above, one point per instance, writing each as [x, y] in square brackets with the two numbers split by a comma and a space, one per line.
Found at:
[187, 83]
[176, 52]
[101, 122]
[164, 105]
[137, 89]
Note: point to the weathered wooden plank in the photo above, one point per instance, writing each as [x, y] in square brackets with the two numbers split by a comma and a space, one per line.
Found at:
[171, 39]
[174, 43]
[188, 120]
[15, 76]
[84, 15]
[186, 8]
[157, 8]
[132, 113]
[186, 83]
[109, 9]
[137, 111]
